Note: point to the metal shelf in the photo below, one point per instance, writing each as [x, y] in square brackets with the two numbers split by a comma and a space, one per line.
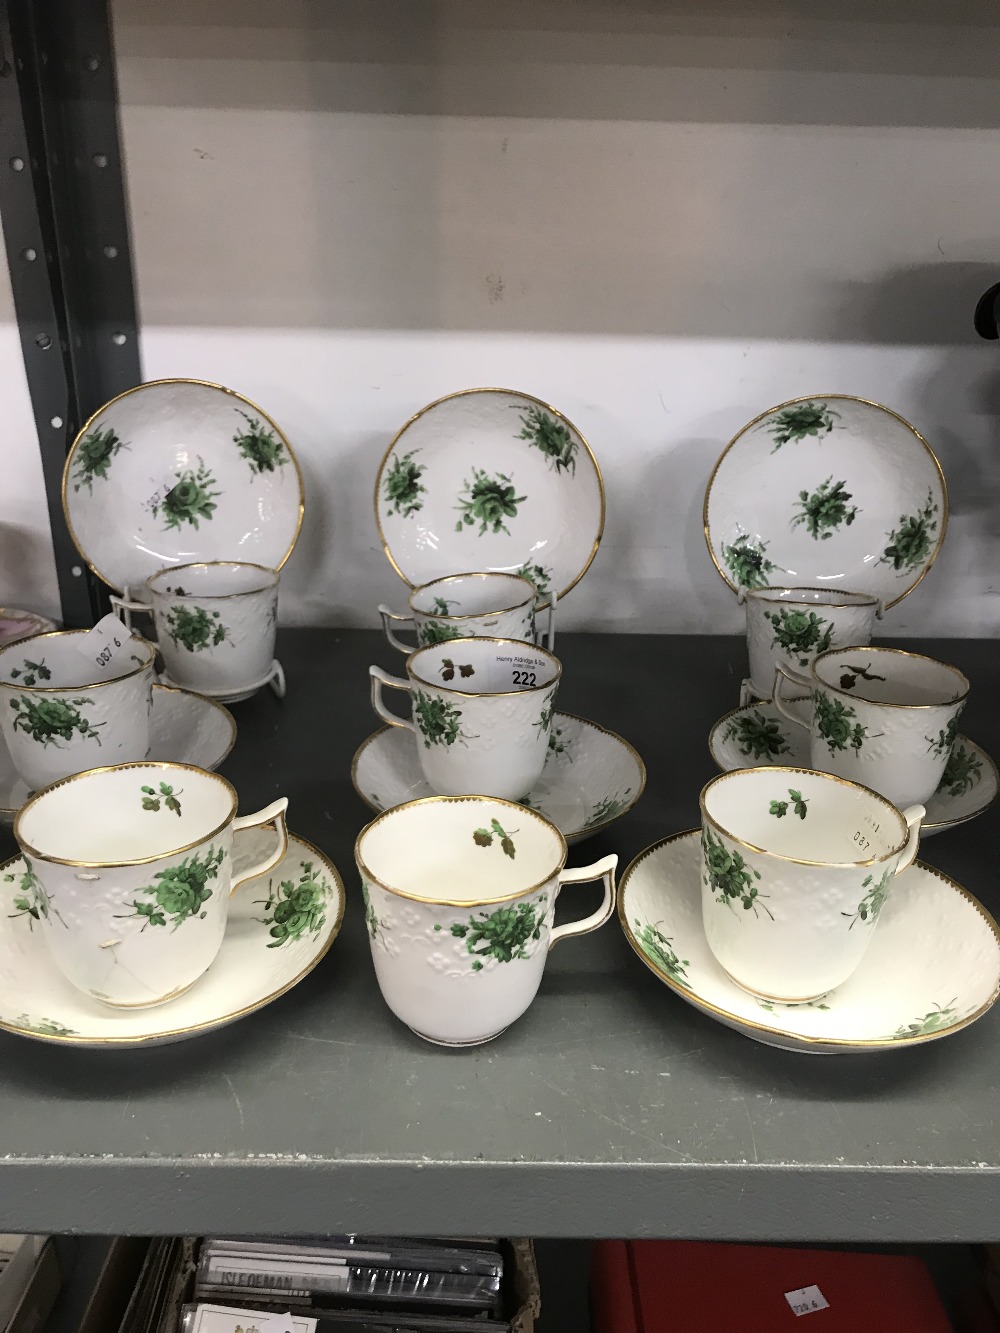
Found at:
[610, 1109]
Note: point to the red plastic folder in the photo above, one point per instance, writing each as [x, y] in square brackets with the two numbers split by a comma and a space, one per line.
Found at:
[696, 1287]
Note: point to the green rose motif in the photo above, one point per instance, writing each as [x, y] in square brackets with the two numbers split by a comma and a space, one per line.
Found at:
[757, 735]
[151, 798]
[536, 574]
[660, 950]
[371, 916]
[800, 421]
[440, 607]
[194, 628]
[942, 743]
[941, 1016]
[402, 488]
[555, 441]
[802, 634]
[910, 544]
[45, 1027]
[730, 877]
[31, 673]
[93, 457]
[870, 906]
[191, 500]
[439, 720]
[833, 722]
[487, 501]
[53, 720]
[435, 631]
[608, 808]
[294, 909]
[179, 892]
[825, 509]
[962, 771]
[30, 898]
[502, 934]
[799, 803]
[483, 837]
[258, 445]
[747, 563]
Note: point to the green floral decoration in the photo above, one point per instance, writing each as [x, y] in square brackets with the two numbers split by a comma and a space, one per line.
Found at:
[659, 949]
[555, 440]
[402, 487]
[45, 1027]
[962, 772]
[483, 837]
[179, 892]
[802, 634]
[834, 723]
[439, 720]
[194, 628]
[852, 674]
[153, 798]
[798, 803]
[800, 421]
[191, 499]
[560, 741]
[435, 631]
[941, 1016]
[608, 808]
[440, 607]
[448, 668]
[31, 672]
[730, 877]
[259, 445]
[296, 907]
[747, 562]
[942, 743]
[93, 456]
[502, 934]
[30, 897]
[870, 906]
[910, 543]
[825, 510]
[536, 574]
[773, 1005]
[487, 501]
[51, 721]
[757, 735]
[371, 916]
[544, 722]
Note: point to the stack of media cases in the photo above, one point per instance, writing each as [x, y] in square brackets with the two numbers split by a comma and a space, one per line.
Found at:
[797, 913]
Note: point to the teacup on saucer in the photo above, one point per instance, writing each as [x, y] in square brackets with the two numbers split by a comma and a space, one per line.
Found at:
[932, 969]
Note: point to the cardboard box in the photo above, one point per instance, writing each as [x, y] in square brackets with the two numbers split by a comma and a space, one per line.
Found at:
[697, 1287]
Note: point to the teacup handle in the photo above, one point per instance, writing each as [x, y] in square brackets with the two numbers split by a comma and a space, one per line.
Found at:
[273, 813]
[550, 637]
[125, 605]
[388, 615]
[913, 814]
[779, 700]
[604, 869]
[380, 678]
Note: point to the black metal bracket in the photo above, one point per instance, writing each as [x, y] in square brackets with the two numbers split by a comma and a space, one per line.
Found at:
[65, 221]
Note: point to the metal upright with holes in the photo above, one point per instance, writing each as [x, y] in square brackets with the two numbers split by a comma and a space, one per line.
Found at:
[65, 222]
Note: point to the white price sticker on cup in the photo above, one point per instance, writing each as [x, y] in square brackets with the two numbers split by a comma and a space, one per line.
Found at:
[806, 1300]
[516, 670]
[104, 643]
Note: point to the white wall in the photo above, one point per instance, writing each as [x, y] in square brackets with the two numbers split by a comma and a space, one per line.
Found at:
[663, 217]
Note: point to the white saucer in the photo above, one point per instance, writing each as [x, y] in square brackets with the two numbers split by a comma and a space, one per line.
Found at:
[184, 728]
[275, 678]
[757, 734]
[933, 966]
[16, 625]
[253, 967]
[591, 776]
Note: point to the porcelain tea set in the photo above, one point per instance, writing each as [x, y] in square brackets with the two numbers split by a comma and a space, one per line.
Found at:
[143, 910]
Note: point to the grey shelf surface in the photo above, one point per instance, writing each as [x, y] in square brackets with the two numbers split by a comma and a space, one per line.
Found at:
[610, 1109]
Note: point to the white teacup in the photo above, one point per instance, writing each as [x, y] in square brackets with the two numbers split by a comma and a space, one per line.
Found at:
[215, 623]
[796, 868]
[469, 606]
[880, 716]
[482, 713]
[792, 626]
[129, 875]
[460, 896]
[62, 712]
